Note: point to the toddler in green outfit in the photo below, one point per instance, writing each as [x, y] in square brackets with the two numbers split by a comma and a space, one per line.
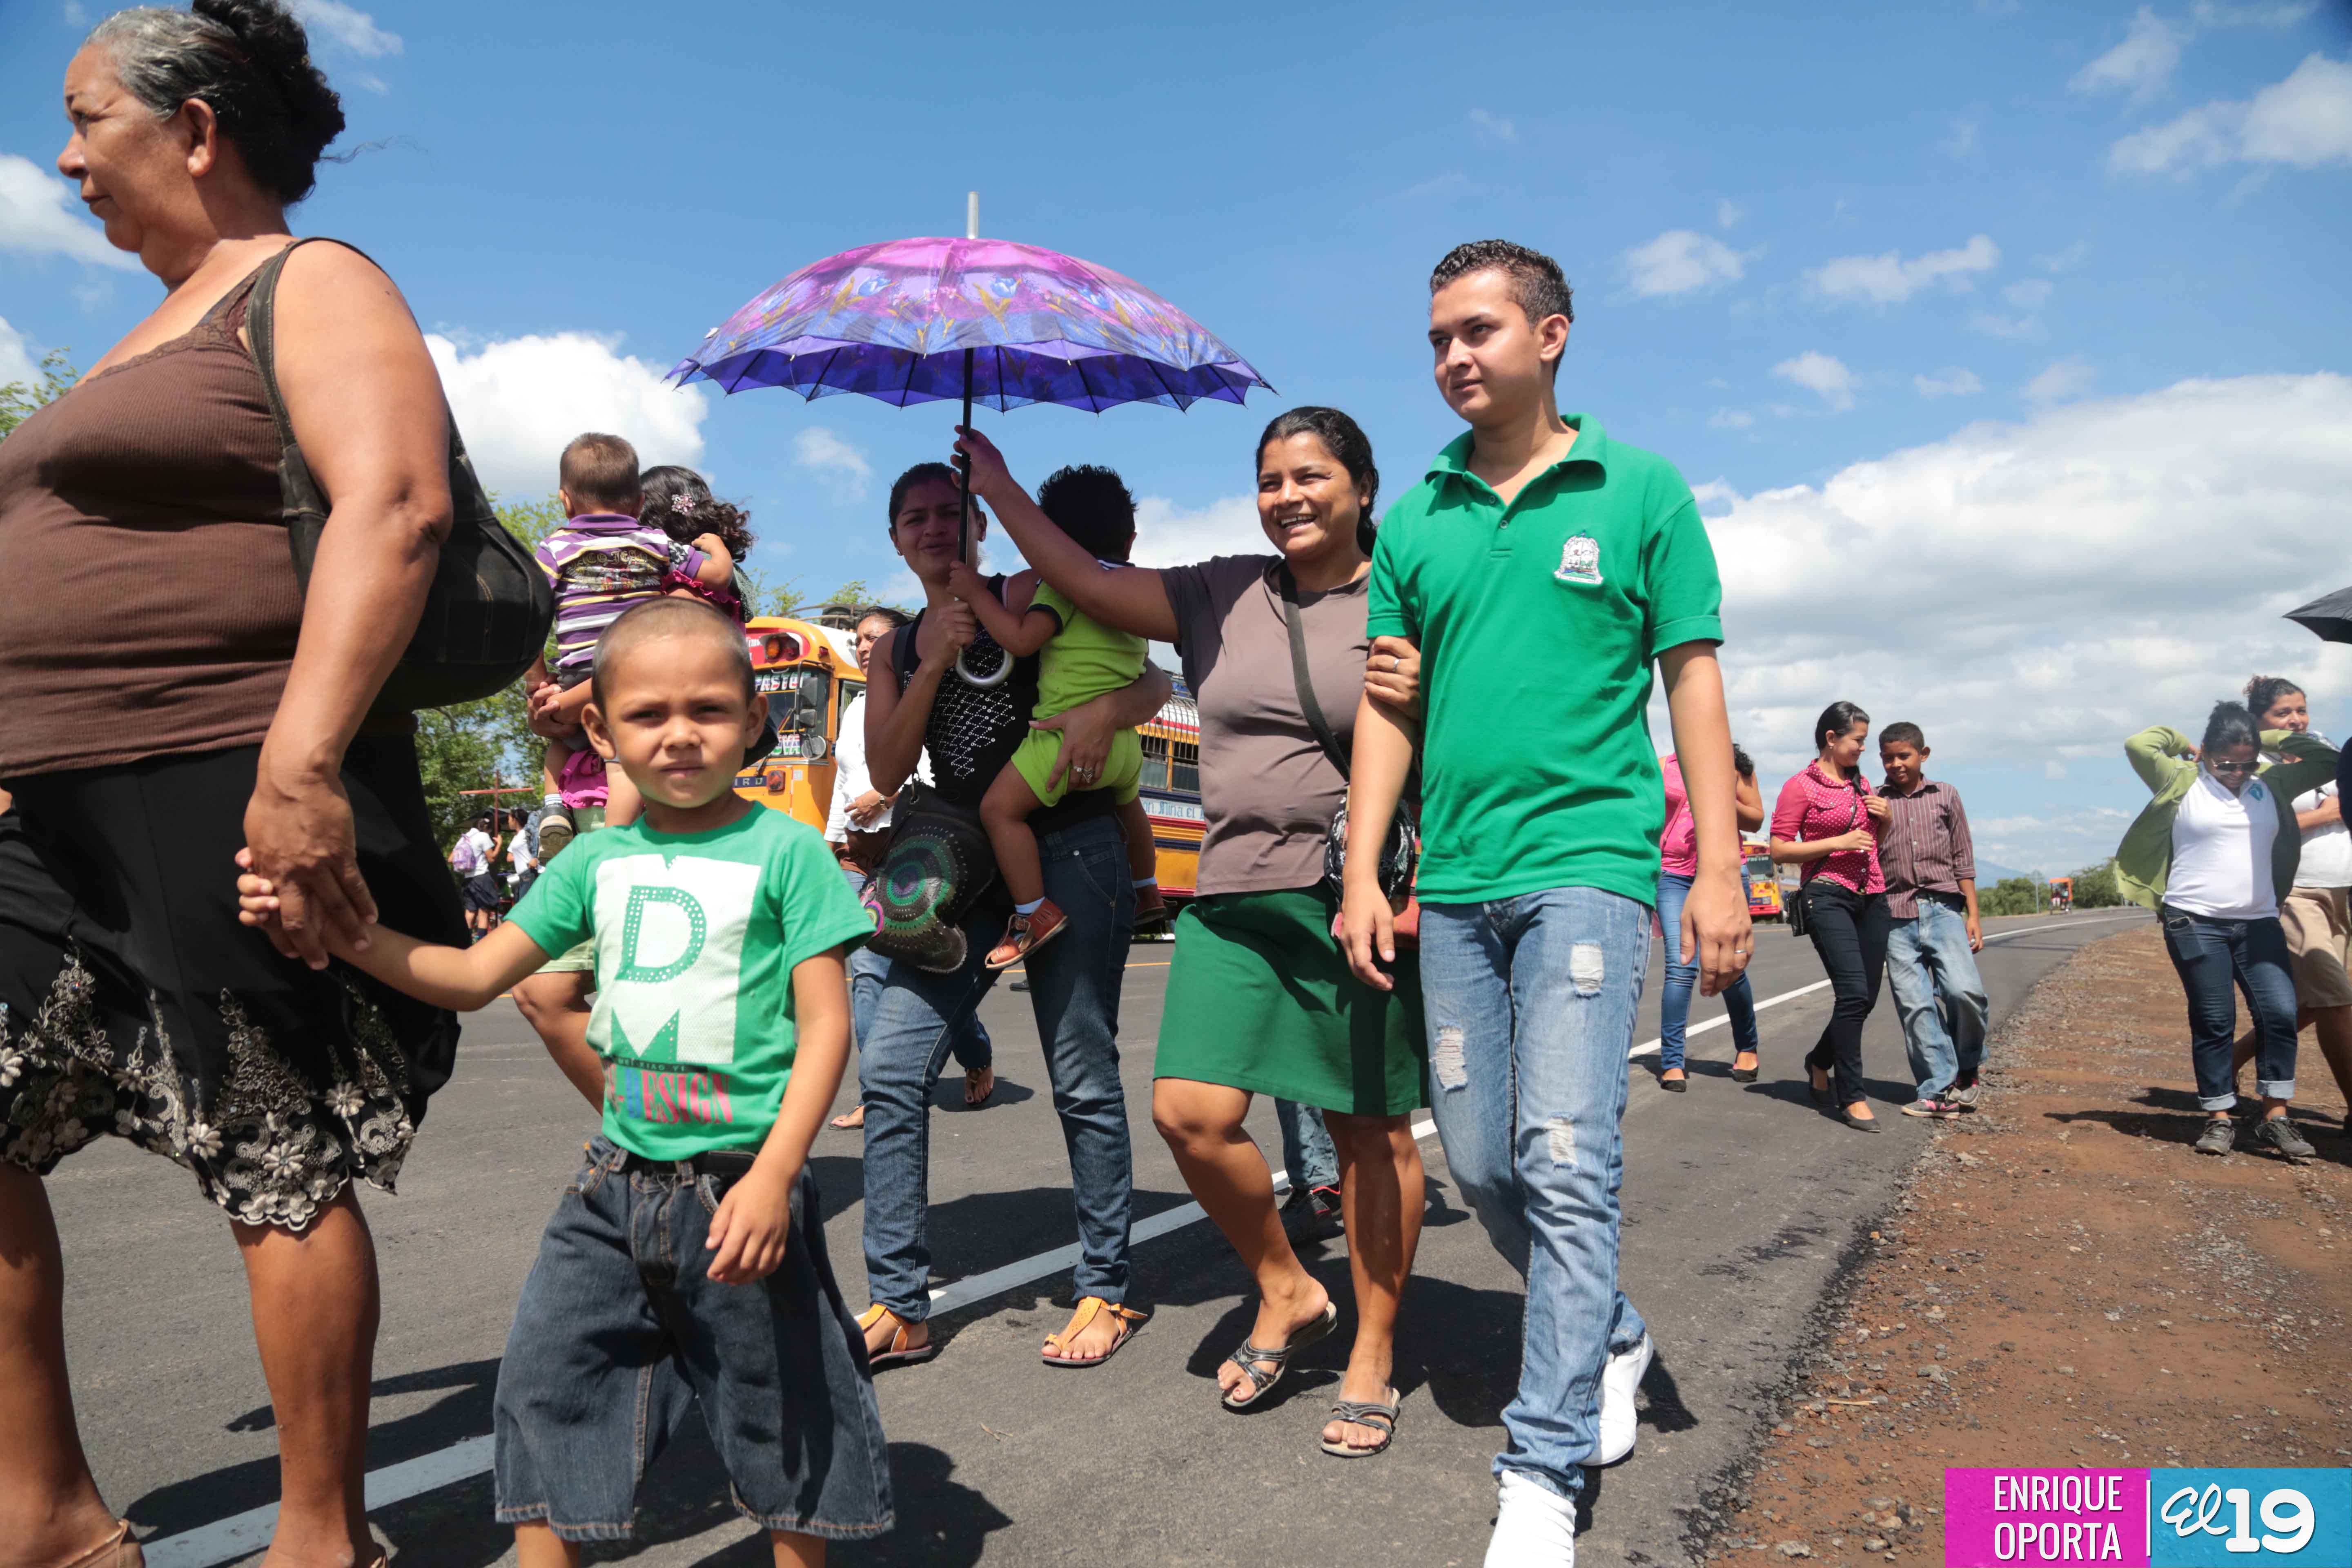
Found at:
[1079, 659]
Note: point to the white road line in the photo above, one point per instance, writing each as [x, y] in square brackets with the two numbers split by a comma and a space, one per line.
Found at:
[241, 1535]
[1646, 1046]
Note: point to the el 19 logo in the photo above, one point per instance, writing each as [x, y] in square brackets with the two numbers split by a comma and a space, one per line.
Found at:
[2211, 1519]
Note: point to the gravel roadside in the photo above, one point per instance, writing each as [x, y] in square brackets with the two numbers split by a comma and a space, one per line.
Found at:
[2063, 1281]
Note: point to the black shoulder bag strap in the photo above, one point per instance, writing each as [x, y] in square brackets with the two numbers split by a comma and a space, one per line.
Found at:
[1305, 678]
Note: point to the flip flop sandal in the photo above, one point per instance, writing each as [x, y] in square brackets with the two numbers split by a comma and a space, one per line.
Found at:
[901, 1353]
[1087, 1310]
[1366, 1413]
[117, 1550]
[969, 1102]
[1249, 1355]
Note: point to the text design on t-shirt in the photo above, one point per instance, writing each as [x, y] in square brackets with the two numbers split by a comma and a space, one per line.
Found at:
[669, 938]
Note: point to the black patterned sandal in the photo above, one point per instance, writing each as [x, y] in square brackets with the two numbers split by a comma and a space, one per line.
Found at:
[1249, 1355]
[1366, 1413]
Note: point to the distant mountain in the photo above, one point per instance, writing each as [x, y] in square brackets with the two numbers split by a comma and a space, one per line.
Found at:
[1989, 872]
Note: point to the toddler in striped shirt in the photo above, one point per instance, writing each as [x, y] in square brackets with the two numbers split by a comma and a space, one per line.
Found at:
[603, 561]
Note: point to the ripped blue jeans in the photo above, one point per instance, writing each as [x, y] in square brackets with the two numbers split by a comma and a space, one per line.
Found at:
[1530, 1004]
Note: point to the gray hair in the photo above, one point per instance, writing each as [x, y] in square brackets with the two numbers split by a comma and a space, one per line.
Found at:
[250, 61]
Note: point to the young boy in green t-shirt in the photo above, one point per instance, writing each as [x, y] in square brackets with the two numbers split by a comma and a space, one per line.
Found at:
[686, 1261]
[1079, 660]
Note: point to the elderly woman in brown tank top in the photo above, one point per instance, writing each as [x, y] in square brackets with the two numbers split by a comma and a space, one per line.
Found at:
[172, 697]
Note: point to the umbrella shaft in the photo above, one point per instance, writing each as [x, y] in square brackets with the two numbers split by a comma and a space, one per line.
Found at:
[964, 478]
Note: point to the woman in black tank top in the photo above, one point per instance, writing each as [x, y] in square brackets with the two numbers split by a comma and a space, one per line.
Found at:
[1074, 984]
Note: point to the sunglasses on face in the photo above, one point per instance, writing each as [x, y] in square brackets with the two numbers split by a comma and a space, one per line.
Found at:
[2233, 767]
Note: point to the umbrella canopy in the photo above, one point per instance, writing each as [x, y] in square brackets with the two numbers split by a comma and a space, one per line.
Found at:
[2330, 618]
[925, 320]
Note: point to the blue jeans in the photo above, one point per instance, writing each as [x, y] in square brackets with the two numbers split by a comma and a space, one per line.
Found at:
[1308, 1154]
[1074, 984]
[621, 1331]
[1531, 1003]
[972, 1047]
[1682, 979]
[2211, 957]
[1938, 993]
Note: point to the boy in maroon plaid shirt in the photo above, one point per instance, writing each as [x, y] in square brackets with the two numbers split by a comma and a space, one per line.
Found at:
[1930, 866]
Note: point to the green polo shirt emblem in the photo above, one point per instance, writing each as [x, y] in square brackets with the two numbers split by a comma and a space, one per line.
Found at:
[1580, 559]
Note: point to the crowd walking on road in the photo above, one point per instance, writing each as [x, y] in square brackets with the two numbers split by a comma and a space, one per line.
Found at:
[1438, 844]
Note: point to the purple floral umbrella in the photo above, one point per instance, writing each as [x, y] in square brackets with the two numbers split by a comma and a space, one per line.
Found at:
[987, 321]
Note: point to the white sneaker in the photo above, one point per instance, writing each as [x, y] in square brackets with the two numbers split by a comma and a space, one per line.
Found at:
[1618, 1379]
[1534, 1527]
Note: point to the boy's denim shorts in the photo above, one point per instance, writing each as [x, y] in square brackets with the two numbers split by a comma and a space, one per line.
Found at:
[621, 1330]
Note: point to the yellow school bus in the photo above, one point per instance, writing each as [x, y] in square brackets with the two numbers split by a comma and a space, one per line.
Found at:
[810, 676]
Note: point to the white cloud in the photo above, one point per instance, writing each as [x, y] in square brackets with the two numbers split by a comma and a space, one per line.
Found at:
[2039, 590]
[2304, 121]
[2062, 380]
[519, 400]
[1952, 380]
[1167, 534]
[76, 14]
[1494, 126]
[1889, 279]
[1680, 260]
[1963, 139]
[838, 466]
[348, 26]
[35, 219]
[2017, 328]
[1731, 420]
[2142, 65]
[18, 363]
[2211, 13]
[2030, 294]
[1442, 184]
[2070, 257]
[1727, 212]
[1817, 372]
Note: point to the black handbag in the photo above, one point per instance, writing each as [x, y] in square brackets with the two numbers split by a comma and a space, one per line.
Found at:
[937, 863]
[487, 611]
[1400, 850]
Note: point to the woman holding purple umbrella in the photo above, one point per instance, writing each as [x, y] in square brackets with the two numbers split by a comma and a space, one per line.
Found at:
[1260, 1000]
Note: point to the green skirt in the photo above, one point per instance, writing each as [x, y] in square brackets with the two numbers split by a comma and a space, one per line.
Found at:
[1260, 998]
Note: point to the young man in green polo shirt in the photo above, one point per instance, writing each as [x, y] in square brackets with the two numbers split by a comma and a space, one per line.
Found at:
[1542, 568]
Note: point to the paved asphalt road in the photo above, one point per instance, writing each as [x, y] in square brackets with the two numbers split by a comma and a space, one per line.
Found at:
[1739, 1201]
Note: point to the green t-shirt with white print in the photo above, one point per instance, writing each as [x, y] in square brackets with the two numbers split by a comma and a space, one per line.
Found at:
[697, 936]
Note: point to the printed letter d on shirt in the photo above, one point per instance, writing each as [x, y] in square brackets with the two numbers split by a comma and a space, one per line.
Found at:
[670, 937]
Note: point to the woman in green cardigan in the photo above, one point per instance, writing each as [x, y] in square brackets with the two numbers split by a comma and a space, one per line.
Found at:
[2213, 854]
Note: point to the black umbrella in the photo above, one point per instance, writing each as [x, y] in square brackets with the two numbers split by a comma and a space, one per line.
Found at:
[2329, 619]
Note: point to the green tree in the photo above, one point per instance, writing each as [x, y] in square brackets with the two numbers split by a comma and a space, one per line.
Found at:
[2009, 895]
[19, 399]
[2096, 887]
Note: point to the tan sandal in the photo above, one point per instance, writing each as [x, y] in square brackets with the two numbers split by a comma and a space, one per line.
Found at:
[1087, 1310]
[900, 1354]
[117, 1550]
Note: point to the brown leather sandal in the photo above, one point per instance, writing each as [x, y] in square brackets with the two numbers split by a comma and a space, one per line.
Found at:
[1086, 1312]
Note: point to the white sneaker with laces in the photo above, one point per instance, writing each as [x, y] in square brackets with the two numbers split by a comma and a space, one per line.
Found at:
[1534, 1527]
[1618, 1379]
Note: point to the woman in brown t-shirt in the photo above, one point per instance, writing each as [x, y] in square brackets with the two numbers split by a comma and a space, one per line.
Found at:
[1260, 999]
[173, 697]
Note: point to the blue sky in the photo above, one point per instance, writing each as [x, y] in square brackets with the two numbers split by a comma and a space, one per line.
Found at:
[2005, 342]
